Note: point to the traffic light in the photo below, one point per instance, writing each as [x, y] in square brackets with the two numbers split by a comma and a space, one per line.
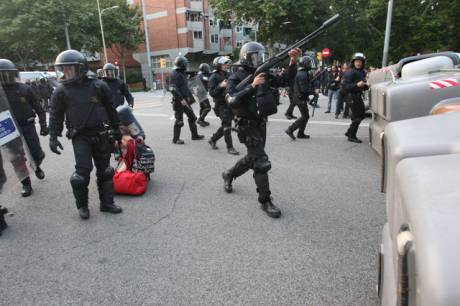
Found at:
[162, 63]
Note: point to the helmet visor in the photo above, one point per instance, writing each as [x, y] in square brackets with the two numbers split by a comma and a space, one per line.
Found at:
[110, 73]
[67, 73]
[257, 58]
[8, 77]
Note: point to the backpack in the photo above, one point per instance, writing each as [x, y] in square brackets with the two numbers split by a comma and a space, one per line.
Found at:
[145, 159]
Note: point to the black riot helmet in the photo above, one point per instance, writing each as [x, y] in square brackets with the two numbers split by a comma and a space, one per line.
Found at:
[110, 71]
[219, 61]
[252, 55]
[358, 56]
[204, 68]
[180, 63]
[8, 72]
[99, 73]
[306, 62]
[70, 66]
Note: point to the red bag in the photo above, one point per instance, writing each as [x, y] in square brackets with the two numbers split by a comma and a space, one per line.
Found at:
[130, 183]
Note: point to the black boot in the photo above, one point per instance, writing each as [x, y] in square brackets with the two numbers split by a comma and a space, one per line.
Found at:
[228, 178]
[39, 173]
[26, 187]
[194, 131]
[176, 135]
[81, 201]
[106, 195]
[290, 133]
[271, 209]
[213, 144]
[233, 151]
[302, 135]
[202, 123]
[3, 225]
[354, 139]
[83, 212]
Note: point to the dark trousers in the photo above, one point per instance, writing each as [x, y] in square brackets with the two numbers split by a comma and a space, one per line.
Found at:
[86, 150]
[33, 143]
[253, 135]
[301, 123]
[291, 106]
[205, 108]
[357, 115]
[179, 111]
[225, 130]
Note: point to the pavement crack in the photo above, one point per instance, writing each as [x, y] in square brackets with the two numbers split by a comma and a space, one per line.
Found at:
[168, 215]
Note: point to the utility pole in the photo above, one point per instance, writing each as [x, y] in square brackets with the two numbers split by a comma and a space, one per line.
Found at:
[147, 46]
[67, 38]
[386, 45]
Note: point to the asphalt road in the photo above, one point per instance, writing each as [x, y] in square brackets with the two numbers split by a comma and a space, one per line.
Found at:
[186, 242]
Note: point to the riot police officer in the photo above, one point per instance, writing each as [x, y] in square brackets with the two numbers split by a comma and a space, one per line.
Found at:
[86, 105]
[25, 106]
[205, 106]
[217, 85]
[302, 88]
[251, 105]
[119, 89]
[3, 225]
[353, 85]
[182, 101]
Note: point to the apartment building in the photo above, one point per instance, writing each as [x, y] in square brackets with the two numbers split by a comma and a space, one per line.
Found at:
[190, 28]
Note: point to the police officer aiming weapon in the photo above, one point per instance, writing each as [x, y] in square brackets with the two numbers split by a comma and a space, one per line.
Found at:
[277, 59]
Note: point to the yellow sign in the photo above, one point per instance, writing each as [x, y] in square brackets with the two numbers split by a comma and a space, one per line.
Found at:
[162, 63]
[319, 56]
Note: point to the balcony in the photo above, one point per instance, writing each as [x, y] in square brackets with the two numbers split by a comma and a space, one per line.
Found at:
[196, 5]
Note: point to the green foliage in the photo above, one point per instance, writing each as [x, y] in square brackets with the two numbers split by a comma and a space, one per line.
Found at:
[418, 25]
[34, 30]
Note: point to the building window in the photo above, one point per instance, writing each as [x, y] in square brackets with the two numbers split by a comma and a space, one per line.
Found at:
[197, 35]
[214, 38]
[228, 41]
[212, 22]
[247, 31]
[238, 29]
[239, 44]
[156, 61]
[193, 16]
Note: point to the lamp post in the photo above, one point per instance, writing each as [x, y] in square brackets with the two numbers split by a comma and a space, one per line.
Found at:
[147, 45]
[102, 27]
[386, 44]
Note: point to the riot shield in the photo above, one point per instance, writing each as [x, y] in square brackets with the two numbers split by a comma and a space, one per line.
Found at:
[14, 153]
[197, 88]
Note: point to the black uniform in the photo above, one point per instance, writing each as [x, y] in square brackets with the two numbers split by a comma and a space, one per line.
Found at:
[251, 127]
[86, 106]
[290, 109]
[180, 91]
[25, 107]
[45, 93]
[221, 108]
[205, 106]
[353, 96]
[120, 91]
[302, 88]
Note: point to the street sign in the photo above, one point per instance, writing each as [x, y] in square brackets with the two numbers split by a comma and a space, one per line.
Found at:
[8, 130]
[326, 52]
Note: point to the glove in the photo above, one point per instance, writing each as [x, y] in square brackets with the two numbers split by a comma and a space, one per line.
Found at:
[54, 145]
[44, 131]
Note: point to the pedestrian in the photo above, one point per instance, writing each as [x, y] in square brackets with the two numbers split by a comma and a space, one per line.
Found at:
[118, 88]
[333, 86]
[341, 105]
[144, 84]
[303, 85]
[25, 106]
[205, 107]
[182, 101]
[251, 122]
[353, 86]
[217, 85]
[87, 106]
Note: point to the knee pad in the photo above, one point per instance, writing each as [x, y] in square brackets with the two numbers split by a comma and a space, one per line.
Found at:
[79, 181]
[179, 123]
[262, 165]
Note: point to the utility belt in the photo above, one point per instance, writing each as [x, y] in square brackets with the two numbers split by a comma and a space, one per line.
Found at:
[89, 132]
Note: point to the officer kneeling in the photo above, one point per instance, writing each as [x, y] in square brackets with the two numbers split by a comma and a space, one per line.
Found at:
[86, 105]
[249, 105]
